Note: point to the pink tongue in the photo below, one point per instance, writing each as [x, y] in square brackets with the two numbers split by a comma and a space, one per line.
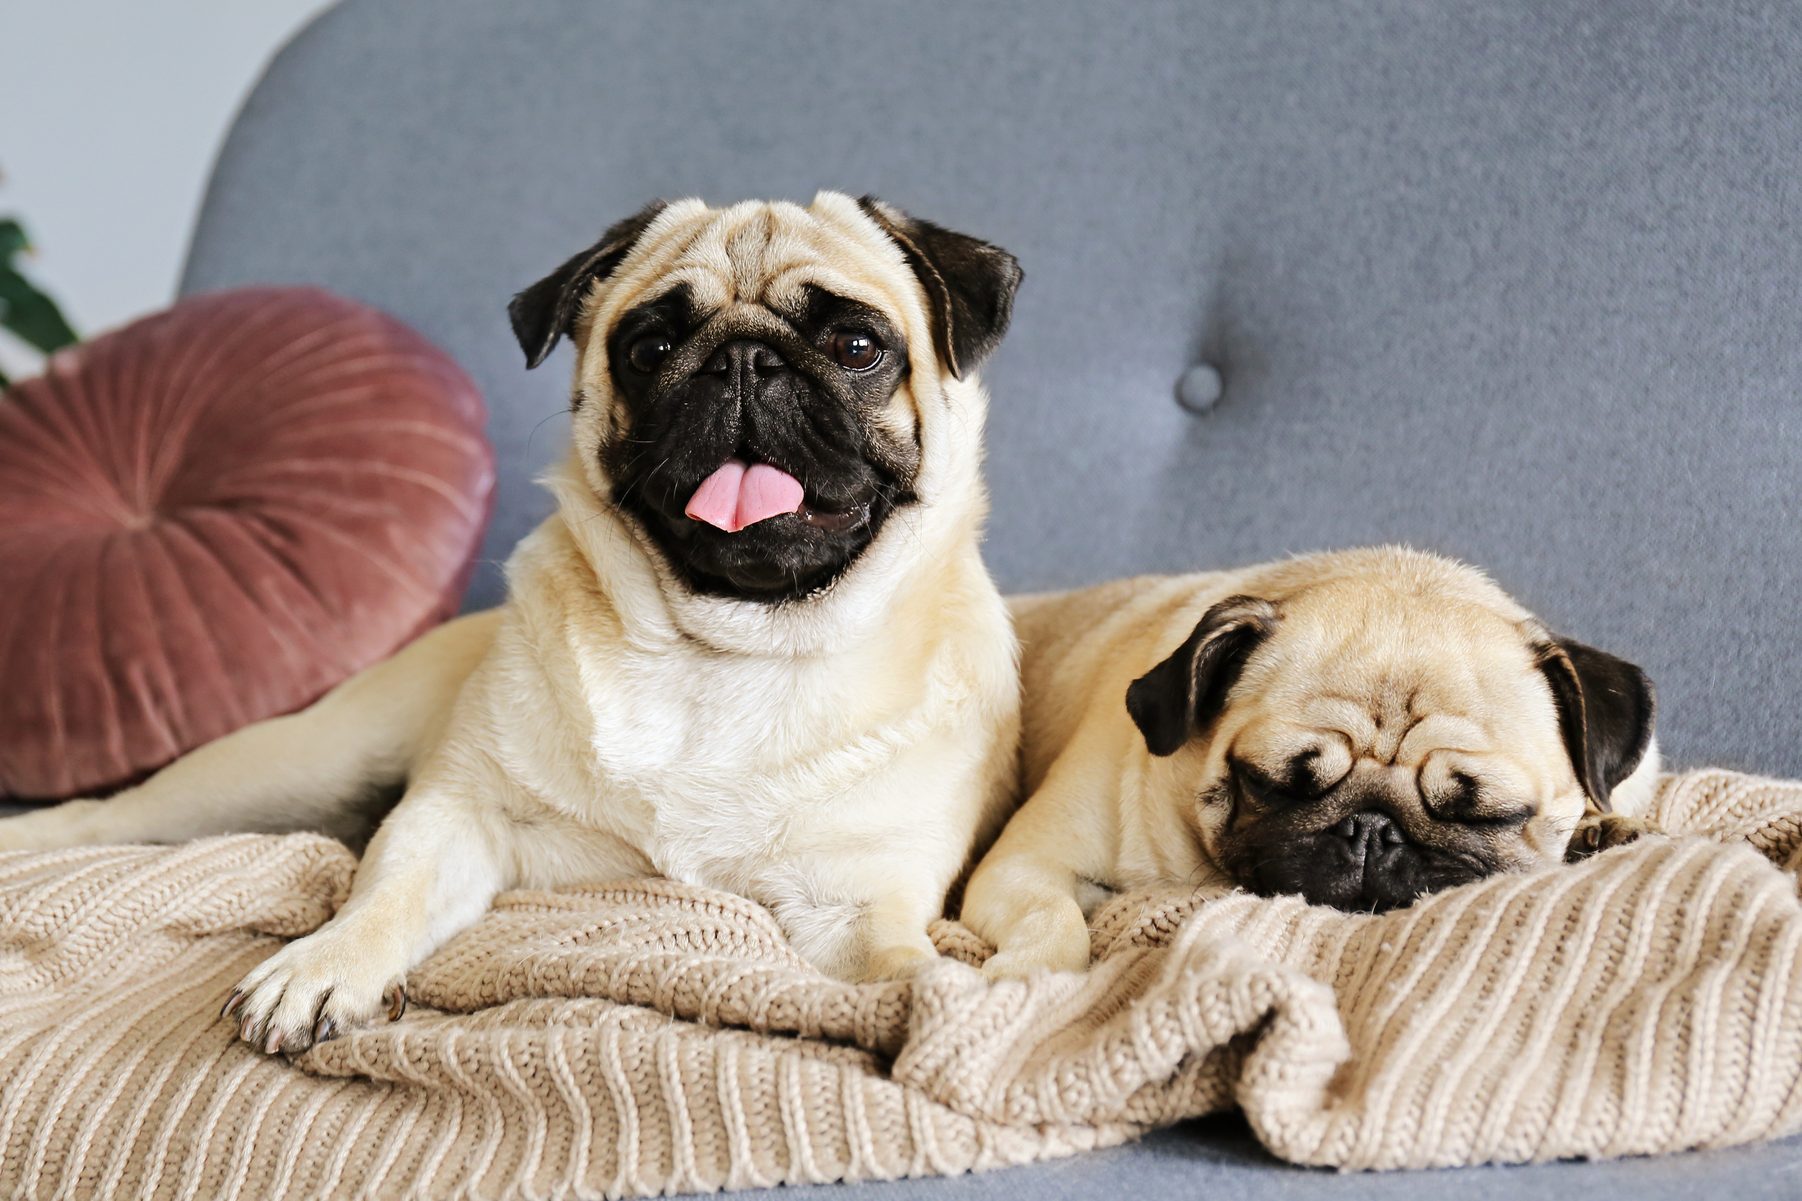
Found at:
[736, 496]
[716, 500]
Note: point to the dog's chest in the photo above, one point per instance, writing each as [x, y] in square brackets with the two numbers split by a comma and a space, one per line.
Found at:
[716, 765]
[695, 719]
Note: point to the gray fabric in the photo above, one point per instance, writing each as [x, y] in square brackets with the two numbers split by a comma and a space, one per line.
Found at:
[1218, 1160]
[1514, 279]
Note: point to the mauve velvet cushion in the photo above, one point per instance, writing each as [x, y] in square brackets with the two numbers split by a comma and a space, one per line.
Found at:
[215, 514]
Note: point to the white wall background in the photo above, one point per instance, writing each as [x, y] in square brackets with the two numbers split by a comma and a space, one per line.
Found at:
[110, 114]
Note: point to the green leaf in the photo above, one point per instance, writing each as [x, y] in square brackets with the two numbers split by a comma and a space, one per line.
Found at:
[24, 310]
[30, 314]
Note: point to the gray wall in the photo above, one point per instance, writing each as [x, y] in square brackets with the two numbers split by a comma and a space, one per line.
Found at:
[113, 110]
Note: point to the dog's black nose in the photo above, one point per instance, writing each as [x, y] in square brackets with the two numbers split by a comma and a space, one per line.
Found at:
[1370, 830]
[745, 357]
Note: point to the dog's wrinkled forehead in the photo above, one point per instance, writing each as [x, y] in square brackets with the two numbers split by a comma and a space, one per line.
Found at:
[1419, 683]
[1379, 661]
[1382, 654]
[764, 255]
[1393, 654]
[942, 288]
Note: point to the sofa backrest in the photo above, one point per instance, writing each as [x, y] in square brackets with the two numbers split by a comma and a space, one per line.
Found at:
[1512, 279]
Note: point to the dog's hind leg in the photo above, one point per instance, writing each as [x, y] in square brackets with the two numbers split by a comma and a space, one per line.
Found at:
[324, 768]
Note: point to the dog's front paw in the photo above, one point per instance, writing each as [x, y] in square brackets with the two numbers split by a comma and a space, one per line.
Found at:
[1599, 832]
[1065, 951]
[312, 990]
[897, 962]
[1046, 938]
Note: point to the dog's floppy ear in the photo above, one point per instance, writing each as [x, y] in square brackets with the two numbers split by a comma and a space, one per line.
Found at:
[1605, 711]
[1186, 691]
[969, 283]
[547, 310]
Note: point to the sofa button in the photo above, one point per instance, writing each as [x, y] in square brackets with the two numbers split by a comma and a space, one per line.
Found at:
[1199, 389]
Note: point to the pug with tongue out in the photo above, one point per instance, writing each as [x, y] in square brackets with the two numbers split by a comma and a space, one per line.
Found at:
[764, 428]
[754, 648]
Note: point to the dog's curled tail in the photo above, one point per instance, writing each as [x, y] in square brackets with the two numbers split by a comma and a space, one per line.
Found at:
[335, 766]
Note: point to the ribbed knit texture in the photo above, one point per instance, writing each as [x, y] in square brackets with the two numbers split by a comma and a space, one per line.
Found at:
[652, 1037]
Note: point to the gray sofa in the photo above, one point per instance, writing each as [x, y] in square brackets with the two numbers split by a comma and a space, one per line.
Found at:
[1514, 279]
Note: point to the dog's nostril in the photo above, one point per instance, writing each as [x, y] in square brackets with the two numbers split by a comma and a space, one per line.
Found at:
[1371, 827]
[734, 357]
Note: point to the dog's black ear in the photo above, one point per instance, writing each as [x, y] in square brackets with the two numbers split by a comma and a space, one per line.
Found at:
[969, 283]
[1187, 691]
[547, 310]
[1605, 710]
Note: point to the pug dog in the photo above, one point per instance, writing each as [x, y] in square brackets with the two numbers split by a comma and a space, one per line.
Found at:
[1357, 728]
[754, 648]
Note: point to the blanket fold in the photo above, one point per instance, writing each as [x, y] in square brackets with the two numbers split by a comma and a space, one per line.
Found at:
[651, 1037]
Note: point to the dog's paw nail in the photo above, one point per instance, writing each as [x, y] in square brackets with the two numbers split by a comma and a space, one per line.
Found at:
[323, 1026]
[395, 997]
[231, 1003]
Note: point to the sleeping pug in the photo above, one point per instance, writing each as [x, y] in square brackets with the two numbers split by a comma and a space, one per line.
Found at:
[754, 647]
[1358, 728]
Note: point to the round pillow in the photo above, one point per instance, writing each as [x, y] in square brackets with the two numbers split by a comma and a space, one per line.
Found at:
[213, 515]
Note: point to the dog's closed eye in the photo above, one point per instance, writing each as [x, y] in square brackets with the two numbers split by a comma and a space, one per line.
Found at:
[1297, 779]
[1463, 798]
[1258, 787]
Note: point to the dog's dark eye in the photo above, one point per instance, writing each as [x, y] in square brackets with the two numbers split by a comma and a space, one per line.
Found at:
[647, 352]
[855, 350]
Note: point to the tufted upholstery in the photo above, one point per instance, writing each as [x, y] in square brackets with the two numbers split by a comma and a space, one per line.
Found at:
[1512, 279]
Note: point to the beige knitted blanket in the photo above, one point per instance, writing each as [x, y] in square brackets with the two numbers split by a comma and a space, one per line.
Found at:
[649, 1037]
